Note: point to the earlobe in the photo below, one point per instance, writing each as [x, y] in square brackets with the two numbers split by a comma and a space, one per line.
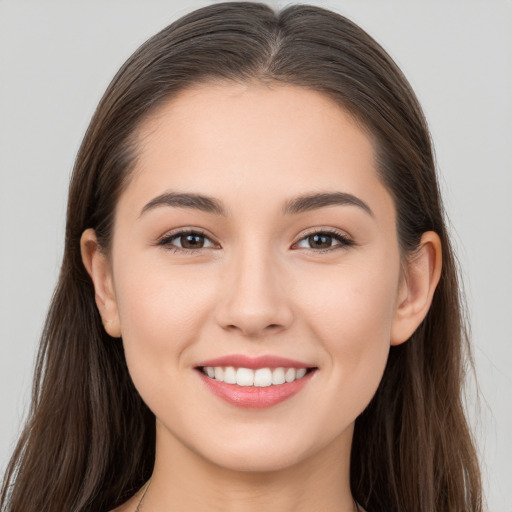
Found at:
[421, 277]
[98, 268]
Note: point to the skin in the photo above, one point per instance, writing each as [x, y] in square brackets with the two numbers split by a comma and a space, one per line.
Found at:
[257, 287]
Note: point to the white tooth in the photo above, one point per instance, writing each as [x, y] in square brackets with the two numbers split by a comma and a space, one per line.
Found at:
[263, 377]
[245, 377]
[300, 373]
[210, 371]
[290, 374]
[229, 375]
[278, 376]
[219, 373]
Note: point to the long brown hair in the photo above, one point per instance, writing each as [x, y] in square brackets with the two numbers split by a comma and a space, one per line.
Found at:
[89, 440]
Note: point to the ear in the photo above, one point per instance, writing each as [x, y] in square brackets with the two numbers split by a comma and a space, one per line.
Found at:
[419, 281]
[98, 267]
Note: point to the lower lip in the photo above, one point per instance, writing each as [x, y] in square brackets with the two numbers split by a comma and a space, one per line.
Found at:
[255, 397]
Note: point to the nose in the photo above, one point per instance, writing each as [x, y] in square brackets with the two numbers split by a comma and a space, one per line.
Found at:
[255, 297]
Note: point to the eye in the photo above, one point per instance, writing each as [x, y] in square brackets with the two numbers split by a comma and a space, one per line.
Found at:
[321, 241]
[186, 241]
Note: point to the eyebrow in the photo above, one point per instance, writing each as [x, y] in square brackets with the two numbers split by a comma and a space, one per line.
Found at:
[186, 200]
[300, 204]
[308, 202]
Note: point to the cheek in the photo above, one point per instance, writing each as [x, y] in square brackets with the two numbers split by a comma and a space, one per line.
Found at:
[161, 310]
[351, 304]
[351, 314]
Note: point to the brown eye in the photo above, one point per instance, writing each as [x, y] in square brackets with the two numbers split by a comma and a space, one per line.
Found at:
[320, 241]
[324, 241]
[192, 241]
[186, 241]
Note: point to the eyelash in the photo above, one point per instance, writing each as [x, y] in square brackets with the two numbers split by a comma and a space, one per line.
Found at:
[166, 240]
[343, 240]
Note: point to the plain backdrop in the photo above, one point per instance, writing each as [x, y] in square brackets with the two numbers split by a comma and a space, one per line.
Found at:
[56, 59]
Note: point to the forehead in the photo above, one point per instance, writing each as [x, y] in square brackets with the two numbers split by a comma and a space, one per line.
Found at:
[263, 117]
[253, 140]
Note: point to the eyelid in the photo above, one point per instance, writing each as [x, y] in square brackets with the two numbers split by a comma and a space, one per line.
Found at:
[343, 238]
[165, 240]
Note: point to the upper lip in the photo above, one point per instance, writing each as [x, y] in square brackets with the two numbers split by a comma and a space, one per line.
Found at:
[243, 361]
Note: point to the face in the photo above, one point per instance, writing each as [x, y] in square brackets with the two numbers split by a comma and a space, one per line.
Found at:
[255, 234]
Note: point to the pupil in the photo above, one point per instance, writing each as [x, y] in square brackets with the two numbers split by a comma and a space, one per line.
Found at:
[192, 241]
[320, 241]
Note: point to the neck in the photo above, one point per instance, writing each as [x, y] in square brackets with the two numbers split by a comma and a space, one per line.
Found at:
[184, 480]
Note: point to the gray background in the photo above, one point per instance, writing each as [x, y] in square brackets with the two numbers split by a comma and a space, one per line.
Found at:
[57, 57]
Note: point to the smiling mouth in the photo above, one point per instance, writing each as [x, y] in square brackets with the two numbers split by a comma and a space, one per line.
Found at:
[255, 388]
[259, 378]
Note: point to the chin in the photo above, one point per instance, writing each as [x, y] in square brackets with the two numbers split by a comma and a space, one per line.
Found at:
[260, 460]
[266, 452]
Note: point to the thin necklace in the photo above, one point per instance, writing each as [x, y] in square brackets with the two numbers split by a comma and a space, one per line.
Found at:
[139, 506]
[358, 507]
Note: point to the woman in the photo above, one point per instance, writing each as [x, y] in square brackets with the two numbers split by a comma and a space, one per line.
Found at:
[258, 304]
